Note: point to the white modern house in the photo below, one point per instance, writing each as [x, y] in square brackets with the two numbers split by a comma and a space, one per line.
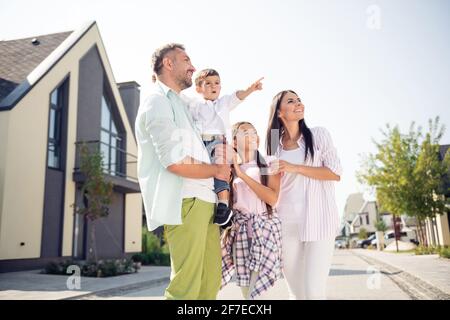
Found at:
[58, 91]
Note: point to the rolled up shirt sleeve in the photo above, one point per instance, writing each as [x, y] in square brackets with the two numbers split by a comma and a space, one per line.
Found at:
[163, 132]
[229, 102]
[329, 155]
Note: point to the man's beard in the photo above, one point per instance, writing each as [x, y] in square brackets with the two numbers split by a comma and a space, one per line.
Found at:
[184, 82]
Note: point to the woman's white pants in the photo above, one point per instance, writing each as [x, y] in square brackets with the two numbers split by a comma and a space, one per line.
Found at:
[306, 264]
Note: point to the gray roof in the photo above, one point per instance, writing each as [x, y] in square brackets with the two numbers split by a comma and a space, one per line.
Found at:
[18, 58]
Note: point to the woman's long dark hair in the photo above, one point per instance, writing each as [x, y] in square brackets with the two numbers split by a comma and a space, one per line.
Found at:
[260, 162]
[276, 124]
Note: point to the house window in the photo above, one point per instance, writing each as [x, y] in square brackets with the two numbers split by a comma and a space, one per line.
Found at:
[367, 219]
[110, 141]
[57, 102]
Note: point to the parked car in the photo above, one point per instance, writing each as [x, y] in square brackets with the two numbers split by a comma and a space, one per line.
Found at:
[365, 242]
[406, 235]
[340, 244]
[374, 243]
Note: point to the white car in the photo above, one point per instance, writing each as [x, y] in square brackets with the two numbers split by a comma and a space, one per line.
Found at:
[405, 235]
[374, 243]
[340, 244]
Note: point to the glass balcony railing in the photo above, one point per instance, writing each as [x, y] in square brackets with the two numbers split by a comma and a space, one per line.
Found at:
[115, 161]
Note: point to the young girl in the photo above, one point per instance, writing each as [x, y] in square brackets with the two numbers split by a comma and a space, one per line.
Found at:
[252, 246]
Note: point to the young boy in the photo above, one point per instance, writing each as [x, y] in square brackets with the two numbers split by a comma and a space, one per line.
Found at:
[211, 116]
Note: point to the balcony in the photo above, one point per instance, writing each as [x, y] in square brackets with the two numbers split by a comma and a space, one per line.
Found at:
[119, 166]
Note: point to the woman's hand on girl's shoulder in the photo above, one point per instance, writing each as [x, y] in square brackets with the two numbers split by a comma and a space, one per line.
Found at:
[281, 166]
[274, 166]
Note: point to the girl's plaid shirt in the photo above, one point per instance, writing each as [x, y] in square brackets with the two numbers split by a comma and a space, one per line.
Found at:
[263, 255]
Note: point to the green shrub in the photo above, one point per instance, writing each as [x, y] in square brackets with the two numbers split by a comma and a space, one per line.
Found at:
[140, 257]
[362, 234]
[165, 248]
[150, 241]
[153, 253]
[422, 250]
[153, 258]
[102, 268]
[380, 225]
[160, 259]
[445, 252]
[58, 267]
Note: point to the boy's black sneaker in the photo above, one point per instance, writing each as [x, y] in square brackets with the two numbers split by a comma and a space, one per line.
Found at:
[228, 225]
[223, 214]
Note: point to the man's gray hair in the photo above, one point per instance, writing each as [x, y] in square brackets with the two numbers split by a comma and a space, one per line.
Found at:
[160, 54]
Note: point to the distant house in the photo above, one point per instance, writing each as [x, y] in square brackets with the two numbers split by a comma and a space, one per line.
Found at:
[57, 91]
[362, 214]
[352, 206]
[365, 218]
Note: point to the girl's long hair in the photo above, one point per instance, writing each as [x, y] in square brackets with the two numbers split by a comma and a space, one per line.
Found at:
[260, 162]
[276, 125]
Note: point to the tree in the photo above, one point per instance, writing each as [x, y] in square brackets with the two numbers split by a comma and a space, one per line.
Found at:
[428, 177]
[380, 225]
[389, 170]
[362, 234]
[406, 173]
[96, 191]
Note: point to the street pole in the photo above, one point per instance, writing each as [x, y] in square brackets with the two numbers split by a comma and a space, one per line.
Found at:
[395, 232]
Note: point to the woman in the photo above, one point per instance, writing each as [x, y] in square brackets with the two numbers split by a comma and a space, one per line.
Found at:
[252, 247]
[307, 208]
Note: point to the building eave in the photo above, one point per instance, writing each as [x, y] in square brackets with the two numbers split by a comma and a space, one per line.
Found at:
[44, 67]
[120, 184]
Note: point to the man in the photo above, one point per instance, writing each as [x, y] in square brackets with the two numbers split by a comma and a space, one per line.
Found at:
[176, 179]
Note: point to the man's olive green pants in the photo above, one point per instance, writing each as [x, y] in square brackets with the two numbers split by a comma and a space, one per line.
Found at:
[195, 253]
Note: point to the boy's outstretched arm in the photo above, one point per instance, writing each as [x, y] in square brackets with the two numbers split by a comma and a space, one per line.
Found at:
[242, 94]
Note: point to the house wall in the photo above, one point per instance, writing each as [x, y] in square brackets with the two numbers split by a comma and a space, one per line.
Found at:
[133, 208]
[352, 206]
[23, 161]
[133, 202]
[443, 226]
[441, 230]
[25, 166]
[109, 231]
[133, 222]
[4, 128]
[370, 209]
[91, 78]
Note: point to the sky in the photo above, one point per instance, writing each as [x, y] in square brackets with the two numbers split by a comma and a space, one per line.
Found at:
[356, 64]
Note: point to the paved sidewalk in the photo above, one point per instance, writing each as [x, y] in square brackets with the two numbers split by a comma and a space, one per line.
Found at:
[355, 274]
[429, 271]
[351, 278]
[31, 285]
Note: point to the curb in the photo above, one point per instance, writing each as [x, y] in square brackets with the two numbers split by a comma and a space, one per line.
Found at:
[414, 287]
[121, 290]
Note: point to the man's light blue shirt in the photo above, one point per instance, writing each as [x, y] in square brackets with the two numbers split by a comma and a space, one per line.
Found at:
[165, 135]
